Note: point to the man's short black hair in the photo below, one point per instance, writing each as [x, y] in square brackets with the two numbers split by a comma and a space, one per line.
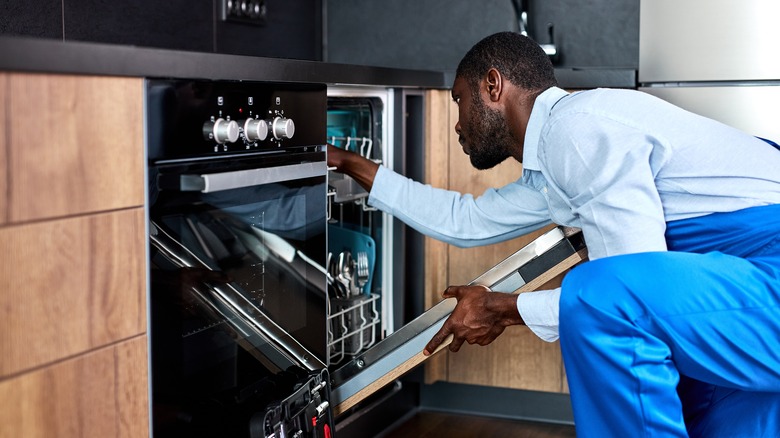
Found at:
[518, 58]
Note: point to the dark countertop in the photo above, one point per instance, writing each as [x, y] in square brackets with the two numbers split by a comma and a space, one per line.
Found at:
[582, 78]
[55, 56]
[585, 78]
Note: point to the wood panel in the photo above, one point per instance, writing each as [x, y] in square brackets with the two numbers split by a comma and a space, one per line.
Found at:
[3, 150]
[69, 286]
[518, 359]
[438, 138]
[100, 394]
[75, 145]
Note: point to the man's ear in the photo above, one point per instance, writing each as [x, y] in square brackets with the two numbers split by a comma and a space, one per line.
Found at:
[495, 84]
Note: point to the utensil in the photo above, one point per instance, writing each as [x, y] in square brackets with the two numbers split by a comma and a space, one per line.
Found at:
[334, 277]
[362, 269]
[346, 268]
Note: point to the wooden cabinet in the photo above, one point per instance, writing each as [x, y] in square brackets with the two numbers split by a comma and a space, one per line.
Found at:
[75, 145]
[517, 359]
[72, 237]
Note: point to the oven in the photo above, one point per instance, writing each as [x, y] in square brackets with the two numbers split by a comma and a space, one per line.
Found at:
[239, 288]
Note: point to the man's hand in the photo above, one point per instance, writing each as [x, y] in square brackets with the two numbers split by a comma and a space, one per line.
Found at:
[478, 318]
[361, 169]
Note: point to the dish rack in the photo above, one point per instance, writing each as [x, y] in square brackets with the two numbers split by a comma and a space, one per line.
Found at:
[352, 326]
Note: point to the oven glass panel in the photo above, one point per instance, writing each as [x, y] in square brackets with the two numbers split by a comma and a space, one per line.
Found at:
[266, 246]
[237, 229]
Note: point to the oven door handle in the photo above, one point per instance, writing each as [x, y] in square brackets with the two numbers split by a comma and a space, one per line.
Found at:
[215, 182]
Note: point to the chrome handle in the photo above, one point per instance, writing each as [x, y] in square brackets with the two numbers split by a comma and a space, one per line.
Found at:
[215, 182]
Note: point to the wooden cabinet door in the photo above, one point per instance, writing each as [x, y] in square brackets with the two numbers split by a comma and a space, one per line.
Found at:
[99, 394]
[517, 359]
[70, 286]
[75, 145]
[73, 250]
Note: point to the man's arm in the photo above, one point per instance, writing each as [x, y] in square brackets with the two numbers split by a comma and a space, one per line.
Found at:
[358, 167]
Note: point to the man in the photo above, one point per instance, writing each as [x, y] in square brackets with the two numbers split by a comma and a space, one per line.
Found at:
[673, 327]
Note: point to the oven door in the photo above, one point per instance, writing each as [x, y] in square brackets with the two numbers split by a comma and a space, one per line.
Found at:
[238, 288]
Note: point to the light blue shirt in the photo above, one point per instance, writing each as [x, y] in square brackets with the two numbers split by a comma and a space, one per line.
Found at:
[618, 164]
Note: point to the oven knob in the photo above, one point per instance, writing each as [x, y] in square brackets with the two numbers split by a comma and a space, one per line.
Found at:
[255, 130]
[221, 131]
[283, 128]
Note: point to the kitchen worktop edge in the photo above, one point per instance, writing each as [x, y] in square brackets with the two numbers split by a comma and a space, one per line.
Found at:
[73, 57]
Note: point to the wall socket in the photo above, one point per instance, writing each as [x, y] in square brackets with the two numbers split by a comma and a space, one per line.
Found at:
[244, 11]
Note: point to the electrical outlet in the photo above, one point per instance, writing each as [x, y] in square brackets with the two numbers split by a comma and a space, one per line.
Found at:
[244, 11]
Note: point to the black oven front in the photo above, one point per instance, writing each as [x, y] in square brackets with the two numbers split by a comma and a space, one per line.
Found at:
[237, 224]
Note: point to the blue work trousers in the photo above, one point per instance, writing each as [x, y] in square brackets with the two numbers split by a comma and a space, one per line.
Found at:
[679, 343]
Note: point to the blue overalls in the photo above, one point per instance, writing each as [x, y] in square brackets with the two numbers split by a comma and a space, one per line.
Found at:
[679, 343]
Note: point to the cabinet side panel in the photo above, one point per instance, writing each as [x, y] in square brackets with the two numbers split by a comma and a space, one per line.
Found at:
[517, 359]
[438, 137]
[4, 127]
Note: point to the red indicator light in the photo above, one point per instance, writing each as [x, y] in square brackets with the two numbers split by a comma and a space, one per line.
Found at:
[240, 110]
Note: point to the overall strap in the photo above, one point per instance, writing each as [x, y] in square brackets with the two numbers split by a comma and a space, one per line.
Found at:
[770, 142]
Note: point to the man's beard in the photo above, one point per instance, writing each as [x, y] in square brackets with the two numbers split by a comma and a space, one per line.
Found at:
[491, 142]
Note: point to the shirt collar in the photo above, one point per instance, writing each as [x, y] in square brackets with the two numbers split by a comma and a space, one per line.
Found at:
[533, 132]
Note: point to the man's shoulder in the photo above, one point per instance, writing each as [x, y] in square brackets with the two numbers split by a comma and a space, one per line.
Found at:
[585, 106]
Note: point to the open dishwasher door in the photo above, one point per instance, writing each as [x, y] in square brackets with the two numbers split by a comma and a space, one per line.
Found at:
[526, 270]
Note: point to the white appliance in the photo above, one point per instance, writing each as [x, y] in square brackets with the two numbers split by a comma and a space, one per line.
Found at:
[717, 58]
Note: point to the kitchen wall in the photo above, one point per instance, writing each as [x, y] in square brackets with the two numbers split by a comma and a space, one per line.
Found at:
[416, 34]
[435, 34]
[292, 29]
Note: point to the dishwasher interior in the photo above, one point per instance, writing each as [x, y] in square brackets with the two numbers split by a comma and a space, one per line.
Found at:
[364, 244]
[355, 232]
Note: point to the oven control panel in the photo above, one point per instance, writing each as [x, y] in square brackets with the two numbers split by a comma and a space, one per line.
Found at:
[189, 119]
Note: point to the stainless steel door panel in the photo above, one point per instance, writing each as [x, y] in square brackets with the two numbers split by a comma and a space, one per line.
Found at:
[752, 109]
[708, 40]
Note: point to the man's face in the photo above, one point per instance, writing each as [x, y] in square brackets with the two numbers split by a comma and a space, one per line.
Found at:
[482, 132]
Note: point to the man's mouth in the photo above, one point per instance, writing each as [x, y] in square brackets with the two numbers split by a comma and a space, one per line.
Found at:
[463, 145]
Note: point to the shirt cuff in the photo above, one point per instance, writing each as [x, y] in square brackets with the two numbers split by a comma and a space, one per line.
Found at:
[539, 311]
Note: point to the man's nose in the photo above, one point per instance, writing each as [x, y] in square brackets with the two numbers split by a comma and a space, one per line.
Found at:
[457, 128]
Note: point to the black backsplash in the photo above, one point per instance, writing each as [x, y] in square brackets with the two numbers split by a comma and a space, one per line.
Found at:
[42, 19]
[589, 33]
[435, 34]
[410, 34]
[292, 29]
